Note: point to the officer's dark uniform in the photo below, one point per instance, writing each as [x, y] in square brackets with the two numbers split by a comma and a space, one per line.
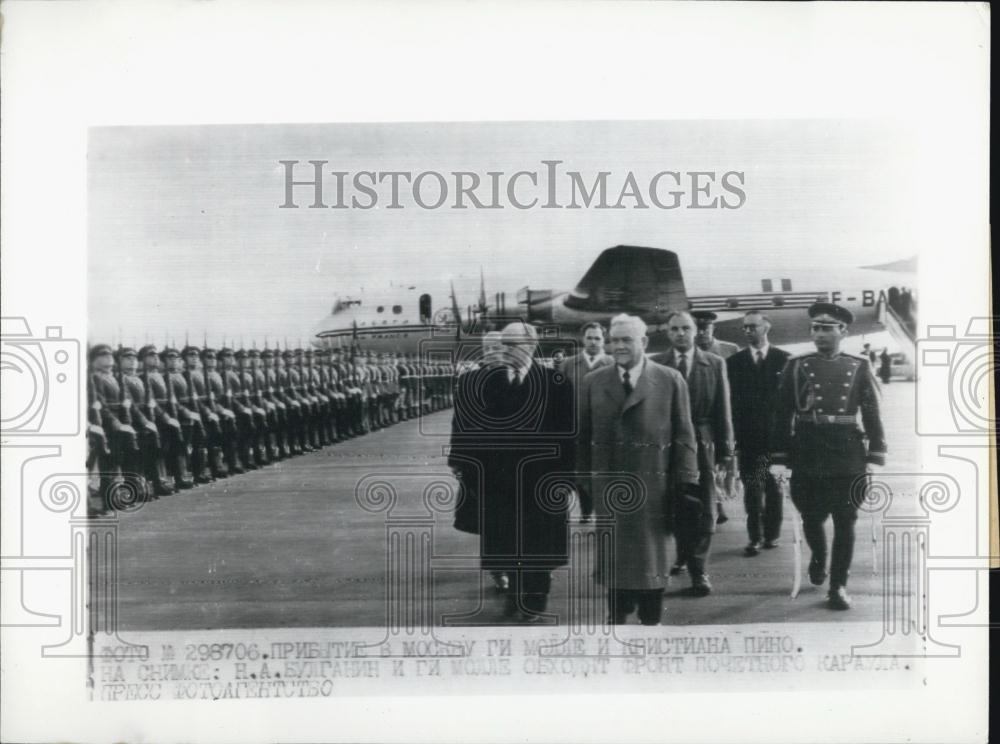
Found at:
[817, 434]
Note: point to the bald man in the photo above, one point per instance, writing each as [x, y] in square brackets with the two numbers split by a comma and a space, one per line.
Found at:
[513, 426]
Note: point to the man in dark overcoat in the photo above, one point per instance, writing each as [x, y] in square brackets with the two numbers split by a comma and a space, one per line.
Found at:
[513, 431]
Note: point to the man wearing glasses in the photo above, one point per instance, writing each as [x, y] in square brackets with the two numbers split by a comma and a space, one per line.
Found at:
[818, 436]
[754, 373]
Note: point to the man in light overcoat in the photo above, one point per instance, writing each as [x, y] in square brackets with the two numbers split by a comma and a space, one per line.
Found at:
[637, 453]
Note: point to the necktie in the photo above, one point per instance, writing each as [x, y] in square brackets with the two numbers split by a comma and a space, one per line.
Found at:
[626, 383]
[682, 365]
[759, 357]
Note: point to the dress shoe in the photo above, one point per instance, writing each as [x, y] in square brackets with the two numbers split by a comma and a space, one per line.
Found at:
[675, 570]
[751, 549]
[701, 587]
[837, 599]
[770, 544]
[817, 571]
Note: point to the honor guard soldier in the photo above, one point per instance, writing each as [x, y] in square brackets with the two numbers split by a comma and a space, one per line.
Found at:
[220, 404]
[144, 414]
[258, 415]
[392, 370]
[818, 435]
[206, 447]
[326, 377]
[321, 403]
[353, 392]
[177, 406]
[236, 400]
[169, 424]
[310, 404]
[405, 392]
[297, 391]
[270, 385]
[293, 406]
[120, 455]
[263, 401]
[335, 384]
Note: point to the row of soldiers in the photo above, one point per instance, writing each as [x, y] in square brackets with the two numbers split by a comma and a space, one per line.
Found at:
[166, 420]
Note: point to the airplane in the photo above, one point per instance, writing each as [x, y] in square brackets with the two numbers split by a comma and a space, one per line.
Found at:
[647, 282]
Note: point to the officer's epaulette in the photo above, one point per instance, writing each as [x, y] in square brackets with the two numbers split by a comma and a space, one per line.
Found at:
[806, 355]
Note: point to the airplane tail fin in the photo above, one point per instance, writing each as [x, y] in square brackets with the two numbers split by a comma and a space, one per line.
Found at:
[631, 279]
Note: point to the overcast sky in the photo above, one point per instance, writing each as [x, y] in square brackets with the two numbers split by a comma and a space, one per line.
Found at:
[186, 234]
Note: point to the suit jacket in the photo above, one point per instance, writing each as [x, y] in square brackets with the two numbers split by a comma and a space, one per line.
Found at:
[575, 368]
[752, 392]
[514, 445]
[637, 451]
[708, 386]
[724, 349]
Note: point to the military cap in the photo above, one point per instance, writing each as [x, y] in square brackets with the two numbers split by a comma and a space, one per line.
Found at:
[169, 351]
[240, 354]
[208, 353]
[99, 350]
[705, 316]
[225, 351]
[308, 352]
[266, 354]
[125, 351]
[288, 354]
[827, 311]
[189, 349]
[146, 350]
[253, 353]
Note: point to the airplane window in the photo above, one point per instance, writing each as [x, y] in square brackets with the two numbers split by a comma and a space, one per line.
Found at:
[732, 303]
[766, 285]
[397, 309]
[777, 301]
[786, 285]
[380, 309]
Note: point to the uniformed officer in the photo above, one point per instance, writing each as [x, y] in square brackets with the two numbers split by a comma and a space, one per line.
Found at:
[269, 383]
[170, 425]
[205, 431]
[120, 455]
[283, 363]
[220, 402]
[705, 336]
[818, 436]
[144, 421]
[237, 402]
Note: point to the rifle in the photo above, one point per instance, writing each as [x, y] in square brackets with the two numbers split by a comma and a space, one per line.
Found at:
[171, 395]
[125, 404]
[226, 390]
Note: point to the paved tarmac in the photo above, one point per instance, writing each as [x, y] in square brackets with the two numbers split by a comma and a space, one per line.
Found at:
[289, 546]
